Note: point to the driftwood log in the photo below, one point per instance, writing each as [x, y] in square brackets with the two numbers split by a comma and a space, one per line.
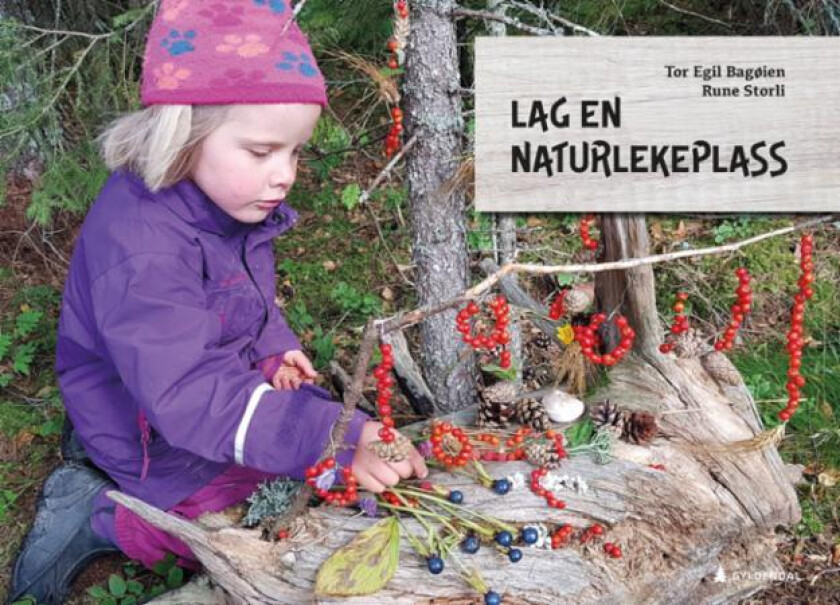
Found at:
[715, 507]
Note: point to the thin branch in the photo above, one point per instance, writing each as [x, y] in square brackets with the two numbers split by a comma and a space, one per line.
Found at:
[548, 16]
[511, 21]
[387, 170]
[693, 14]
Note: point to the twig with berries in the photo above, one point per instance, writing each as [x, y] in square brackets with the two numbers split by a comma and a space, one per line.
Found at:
[795, 340]
[739, 309]
[586, 238]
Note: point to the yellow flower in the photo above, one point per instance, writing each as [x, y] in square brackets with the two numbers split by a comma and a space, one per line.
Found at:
[566, 334]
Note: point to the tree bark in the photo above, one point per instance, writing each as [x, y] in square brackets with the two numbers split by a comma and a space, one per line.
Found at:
[433, 109]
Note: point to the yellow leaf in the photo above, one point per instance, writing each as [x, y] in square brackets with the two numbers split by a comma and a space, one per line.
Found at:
[365, 565]
[566, 334]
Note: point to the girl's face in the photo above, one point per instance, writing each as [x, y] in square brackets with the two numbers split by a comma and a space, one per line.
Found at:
[249, 163]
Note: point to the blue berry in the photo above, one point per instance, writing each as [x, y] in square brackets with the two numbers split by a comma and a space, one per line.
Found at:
[492, 598]
[504, 538]
[501, 486]
[530, 535]
[470, 545]
[435, 564]
[456, 497]
[515, 555]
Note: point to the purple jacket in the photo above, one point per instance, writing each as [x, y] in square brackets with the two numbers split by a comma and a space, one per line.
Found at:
[167, 333]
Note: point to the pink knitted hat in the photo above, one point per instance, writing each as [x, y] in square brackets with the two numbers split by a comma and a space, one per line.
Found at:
[202, 52]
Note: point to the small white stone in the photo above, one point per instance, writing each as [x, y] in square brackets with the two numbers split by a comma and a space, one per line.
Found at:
[288, 559]
[562, 407]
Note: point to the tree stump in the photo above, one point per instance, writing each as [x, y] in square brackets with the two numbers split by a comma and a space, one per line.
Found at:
[711, 514]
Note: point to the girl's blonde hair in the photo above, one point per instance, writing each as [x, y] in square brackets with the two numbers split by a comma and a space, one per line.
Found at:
[160, 143]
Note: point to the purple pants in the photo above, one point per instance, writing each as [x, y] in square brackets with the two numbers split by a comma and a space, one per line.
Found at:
[143, 542]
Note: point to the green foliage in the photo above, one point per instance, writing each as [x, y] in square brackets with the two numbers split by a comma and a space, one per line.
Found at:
[71, 183]
[329, 140]
[354, 25]
[580, 433]
[350, 196]
[352, 301]
[27, 334]
[480, 234]
[138, 586]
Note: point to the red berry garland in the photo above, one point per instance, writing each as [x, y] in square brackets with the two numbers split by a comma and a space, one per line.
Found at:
[585, 223]
[392, 141]
[402, 8]
[558, 308]
[536, 486]
[739, 309]
[795, 342]
[384, 382]
[680, 324]
[613, 550]
[341, 498]
[499, 335]
[441, 450]
[588, 338]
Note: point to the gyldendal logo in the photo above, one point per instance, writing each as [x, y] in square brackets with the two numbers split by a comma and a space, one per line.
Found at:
[741, 576]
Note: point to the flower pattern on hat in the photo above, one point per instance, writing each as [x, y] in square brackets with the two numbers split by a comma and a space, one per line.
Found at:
[170, 77]
[249, 46]
[230, 51]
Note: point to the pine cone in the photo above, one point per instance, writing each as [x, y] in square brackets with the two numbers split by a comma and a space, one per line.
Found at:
[531, 412]
[541, 340]
[690, 344]
[635, 427]
[607, 415]
[639, 427]
[542, 454]
[720, 368]
[496, 406]
[576, 301]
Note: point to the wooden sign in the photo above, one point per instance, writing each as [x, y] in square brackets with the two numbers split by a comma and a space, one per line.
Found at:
[715, 124]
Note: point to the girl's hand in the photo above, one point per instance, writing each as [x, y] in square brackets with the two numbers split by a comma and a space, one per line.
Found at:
[376, 475]
[294, 370]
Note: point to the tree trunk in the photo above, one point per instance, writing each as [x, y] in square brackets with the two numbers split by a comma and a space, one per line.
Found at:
[433, 108]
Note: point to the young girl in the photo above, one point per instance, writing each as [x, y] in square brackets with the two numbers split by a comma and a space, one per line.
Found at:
[183, 381]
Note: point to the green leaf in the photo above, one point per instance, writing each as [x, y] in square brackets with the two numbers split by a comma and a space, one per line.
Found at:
[135, 587]
[5, 345]
[365, 565]
[175, 577]
[117, 586]
[130, 600]
[109, 601]
[163, 566]
[500, 372]
[98, 592]
[26, 322]
[350, 195]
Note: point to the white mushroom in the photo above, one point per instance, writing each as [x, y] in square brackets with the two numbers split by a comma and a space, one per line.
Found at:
[562, 407]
